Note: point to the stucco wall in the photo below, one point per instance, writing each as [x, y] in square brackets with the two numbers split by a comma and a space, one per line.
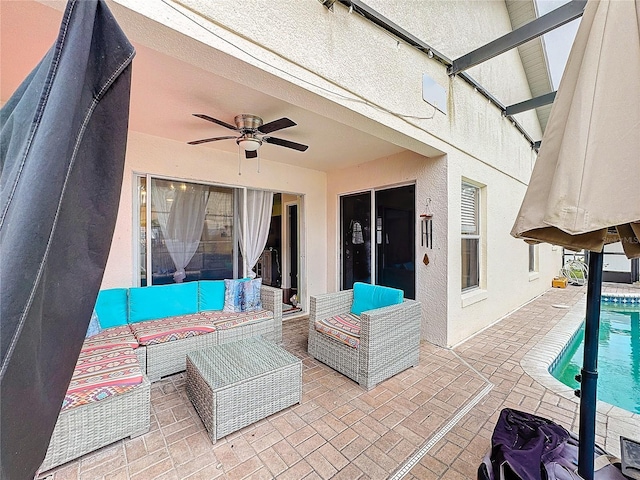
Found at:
[505, 279]
[147, 154]
[430, 177]
[377, 88]
[352, 53]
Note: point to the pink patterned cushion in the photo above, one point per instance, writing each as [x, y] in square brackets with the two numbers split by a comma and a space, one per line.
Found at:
[151, 332]
[225, 320]
[102, 372]
[93, 395]
[113, 336]
[344, 327]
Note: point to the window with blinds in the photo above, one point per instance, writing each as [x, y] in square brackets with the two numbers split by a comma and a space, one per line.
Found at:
[469, 209]
[470, 230]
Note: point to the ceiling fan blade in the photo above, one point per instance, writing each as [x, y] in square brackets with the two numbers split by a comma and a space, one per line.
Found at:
[250, 153]
[276, 125]
[215, 120]
[285, 143]
[205, 140]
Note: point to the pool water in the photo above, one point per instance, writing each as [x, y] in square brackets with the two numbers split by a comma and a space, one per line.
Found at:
[618, 357]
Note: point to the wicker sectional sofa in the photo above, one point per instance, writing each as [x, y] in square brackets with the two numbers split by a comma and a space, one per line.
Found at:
[171, 320]
[146, 334]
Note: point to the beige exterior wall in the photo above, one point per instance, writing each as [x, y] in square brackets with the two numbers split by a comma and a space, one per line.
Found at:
[377, 88]
[505, 280]
[158, 156]
[430, 177]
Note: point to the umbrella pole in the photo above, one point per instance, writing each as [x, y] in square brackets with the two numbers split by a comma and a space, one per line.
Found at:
[589, 372]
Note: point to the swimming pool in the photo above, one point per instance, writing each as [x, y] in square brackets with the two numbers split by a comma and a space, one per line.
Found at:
[618, 355]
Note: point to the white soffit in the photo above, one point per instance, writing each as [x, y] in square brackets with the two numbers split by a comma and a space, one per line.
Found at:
[532, 54]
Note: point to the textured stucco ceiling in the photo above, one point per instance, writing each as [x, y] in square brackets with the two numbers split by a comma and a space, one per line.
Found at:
[166, 91]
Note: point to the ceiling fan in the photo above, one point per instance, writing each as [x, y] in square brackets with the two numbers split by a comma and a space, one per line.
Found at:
[253, 132]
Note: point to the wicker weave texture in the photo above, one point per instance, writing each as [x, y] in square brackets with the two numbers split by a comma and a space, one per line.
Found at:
[88, 427]
[263, 328]
[389, 339]
[141, 353]
[234, 385]
[271, 299]
[389, 342]
[170, 357]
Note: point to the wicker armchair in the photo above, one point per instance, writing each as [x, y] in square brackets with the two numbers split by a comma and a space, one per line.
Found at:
[389, 339]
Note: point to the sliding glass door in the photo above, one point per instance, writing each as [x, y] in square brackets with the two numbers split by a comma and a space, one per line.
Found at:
[392, 260]
[355, 213]
[395, 239]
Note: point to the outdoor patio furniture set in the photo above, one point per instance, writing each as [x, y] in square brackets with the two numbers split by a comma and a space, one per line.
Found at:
[236, 373]
[146, 335]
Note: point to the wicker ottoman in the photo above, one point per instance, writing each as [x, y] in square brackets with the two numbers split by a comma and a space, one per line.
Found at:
[235, 384]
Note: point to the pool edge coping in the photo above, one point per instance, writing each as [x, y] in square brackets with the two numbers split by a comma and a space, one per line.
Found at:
[539, 359]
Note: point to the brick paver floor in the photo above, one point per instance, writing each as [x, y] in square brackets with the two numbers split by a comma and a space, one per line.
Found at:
[446, 407]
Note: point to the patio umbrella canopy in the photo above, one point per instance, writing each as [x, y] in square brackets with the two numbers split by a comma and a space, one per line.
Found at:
[586, 179]
[587, 175]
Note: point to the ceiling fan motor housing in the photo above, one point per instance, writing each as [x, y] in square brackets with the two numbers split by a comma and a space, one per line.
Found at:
[246, 122]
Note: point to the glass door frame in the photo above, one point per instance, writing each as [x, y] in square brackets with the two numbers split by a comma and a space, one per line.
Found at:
[374, 247]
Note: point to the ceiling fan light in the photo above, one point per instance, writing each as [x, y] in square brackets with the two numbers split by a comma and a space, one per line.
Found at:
[249, 144]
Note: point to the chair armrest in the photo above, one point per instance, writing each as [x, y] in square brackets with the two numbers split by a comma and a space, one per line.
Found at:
[329, 304]
[392, 323]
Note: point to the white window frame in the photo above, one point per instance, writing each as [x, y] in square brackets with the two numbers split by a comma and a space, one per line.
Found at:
[237, 190]
[470, 226]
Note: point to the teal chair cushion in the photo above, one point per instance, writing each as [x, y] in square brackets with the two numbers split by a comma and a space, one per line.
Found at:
[210, 295]
[369, 297]
[162, 301]
[111, 307]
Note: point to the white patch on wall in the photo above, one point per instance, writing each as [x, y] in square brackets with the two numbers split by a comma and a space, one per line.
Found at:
[434, 94]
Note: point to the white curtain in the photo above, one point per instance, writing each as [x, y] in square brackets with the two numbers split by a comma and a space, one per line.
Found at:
[258, 220]
[182, 225]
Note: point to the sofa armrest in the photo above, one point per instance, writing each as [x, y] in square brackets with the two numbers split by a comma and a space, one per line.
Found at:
[271, 299]
[329, 304]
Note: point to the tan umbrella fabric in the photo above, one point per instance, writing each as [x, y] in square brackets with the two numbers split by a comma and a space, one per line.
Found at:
[587, 175]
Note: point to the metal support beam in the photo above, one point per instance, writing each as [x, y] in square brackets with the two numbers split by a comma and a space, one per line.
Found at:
[383, 22]
[530, 104]
[554, 19]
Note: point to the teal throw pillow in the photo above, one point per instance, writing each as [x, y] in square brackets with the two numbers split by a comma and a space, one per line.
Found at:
[162, 301]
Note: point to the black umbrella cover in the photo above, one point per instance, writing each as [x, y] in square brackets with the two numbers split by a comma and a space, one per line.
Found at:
[62, 143]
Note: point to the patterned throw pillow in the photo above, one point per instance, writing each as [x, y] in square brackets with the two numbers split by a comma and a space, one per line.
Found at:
[252, 300]
[94, 325]
[234, 295]
[242, 295]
